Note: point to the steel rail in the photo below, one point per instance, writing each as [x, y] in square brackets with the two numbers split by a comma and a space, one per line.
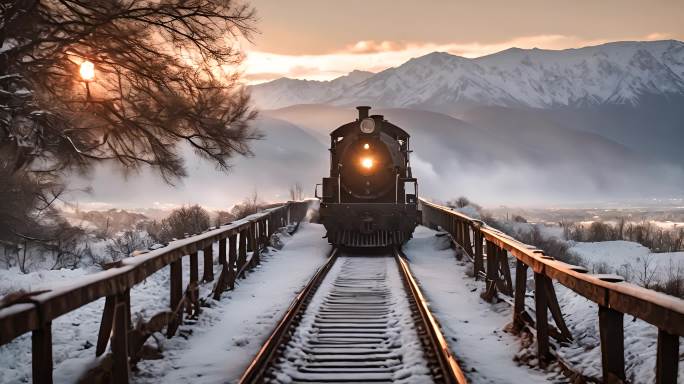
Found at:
[257, 368]
[451, 370]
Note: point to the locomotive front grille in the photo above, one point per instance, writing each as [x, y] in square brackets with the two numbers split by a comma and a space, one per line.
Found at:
[362, 240]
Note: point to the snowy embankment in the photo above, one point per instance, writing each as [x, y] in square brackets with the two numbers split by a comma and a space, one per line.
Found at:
[631, 260]
[240, 317]
[220, 346]
[473, 327]
[640, 266]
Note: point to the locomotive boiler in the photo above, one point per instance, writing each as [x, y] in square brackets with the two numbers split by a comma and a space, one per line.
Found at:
[364, 201]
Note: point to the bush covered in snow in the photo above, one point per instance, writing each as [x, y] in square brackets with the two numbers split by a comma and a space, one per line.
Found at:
[642, 253]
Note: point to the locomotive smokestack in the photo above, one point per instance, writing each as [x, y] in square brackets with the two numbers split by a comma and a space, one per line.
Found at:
[363, 111]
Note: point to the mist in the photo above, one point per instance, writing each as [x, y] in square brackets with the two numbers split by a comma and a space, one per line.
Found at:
[493, 164]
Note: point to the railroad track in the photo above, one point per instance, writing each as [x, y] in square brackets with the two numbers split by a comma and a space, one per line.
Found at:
[359, 319]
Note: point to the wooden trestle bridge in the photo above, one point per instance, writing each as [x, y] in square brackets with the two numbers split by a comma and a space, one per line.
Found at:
[240, 243]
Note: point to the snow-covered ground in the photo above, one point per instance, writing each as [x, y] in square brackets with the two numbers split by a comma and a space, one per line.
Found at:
[473, 327]
[230, 333]
[218, 346]
[584, 353]
[632, 260]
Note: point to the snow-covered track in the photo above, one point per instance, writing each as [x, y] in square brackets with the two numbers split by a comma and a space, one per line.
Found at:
[360, 319]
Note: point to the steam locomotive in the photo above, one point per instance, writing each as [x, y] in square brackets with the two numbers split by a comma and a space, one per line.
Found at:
[364, 202]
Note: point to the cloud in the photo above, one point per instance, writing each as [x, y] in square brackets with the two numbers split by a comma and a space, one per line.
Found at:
[375, 56]
[372, 46]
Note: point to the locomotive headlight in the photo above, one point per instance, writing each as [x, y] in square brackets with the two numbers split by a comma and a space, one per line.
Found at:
[367, 125]
[367, 162]
[366, 146]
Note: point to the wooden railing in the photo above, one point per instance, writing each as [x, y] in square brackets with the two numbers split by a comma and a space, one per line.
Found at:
[34, 311]
[490, 249]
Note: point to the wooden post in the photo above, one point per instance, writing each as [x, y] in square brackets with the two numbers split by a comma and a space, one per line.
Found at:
[232, 259]
[612, 344]
[194, 309]
[455, 230]
[263, 226]
[250, 236]
[492, 255]
[492, 272]
[176, 295]
[520, 291]
[41, 354]
[242, 254]
[222, 251]
[504, 272]
[194, 267]
[258, 239]
[208, 264]
[542, 320]
[555, 309]
[478, 263]
[467, 244]
[120, 368]
[105, 325]
[667, 364]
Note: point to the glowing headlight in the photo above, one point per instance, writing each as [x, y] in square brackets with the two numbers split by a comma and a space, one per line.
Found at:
[366, 146]
[367, 162]
[367, 125]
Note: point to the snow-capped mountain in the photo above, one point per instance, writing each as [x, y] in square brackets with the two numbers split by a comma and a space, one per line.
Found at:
[284, 91]
[613, 73]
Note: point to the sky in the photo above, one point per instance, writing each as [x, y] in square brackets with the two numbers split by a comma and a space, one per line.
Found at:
[325, 39]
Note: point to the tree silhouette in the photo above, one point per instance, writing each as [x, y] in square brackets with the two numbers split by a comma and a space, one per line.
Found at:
[165, 80]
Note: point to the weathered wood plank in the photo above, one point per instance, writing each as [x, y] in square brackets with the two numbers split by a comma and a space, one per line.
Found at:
[232, 259]
[120, 369]
[105, 325]
[520, 291]
[504, 272]
[175, 296]
[208, 264]
[222, 251]
[555, 309]
[542, 319]
[611, 328]
[41, 354]
[667, 365]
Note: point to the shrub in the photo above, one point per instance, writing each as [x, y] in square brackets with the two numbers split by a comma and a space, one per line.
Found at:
[184, 221]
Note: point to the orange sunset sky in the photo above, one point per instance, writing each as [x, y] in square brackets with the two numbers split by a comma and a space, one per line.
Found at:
[324, 39]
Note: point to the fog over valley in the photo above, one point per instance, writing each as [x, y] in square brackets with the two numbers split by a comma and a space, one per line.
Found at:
[520, 127]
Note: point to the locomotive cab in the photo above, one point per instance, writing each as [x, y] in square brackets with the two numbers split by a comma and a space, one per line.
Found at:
[365, 200]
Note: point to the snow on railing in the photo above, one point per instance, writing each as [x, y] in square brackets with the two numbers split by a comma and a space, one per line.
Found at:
[613, 296]
[34, 311]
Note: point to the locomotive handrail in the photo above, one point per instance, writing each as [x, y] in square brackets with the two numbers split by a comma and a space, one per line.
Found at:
[614, 298]
[34, 311]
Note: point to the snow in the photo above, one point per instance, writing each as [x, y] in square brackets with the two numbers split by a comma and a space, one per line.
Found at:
[12, 280]
[473, 327]
[584, 353]
[401, 344]
[250, 310]
[285, 91]
[627, 258]
[229, 333]
[615, 73]
[476, 329]
[75, 333]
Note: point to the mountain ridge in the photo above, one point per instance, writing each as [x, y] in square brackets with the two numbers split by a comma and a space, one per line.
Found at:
[612, 73]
